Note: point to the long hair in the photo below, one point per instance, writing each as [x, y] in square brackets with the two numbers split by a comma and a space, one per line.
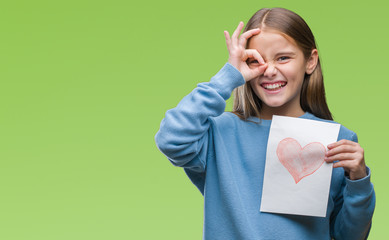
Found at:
[312, 98]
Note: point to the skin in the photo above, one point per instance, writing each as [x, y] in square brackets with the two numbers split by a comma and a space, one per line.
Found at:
[262, 63]
[286, 64]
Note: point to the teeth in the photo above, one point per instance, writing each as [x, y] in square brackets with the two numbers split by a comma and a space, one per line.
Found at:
[273, 86]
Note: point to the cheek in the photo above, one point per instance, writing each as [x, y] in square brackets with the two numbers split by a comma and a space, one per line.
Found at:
[294, 73]
[255, 87]
[253, 83]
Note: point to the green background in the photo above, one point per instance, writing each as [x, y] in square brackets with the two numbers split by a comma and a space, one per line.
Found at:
[84, 85]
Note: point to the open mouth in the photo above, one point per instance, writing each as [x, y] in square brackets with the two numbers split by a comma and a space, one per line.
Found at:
[273, 86]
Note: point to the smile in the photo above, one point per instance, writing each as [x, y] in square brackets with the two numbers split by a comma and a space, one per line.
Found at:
[273, 86]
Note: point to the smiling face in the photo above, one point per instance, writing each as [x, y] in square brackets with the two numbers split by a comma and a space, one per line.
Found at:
[280, 86]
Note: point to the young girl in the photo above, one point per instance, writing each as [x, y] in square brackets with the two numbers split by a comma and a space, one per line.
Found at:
[274, 68]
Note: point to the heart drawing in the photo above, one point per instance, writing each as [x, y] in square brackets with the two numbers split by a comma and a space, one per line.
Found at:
[300, 162]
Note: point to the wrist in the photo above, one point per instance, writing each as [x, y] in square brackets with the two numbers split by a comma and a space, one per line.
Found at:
[226, 80]
[358, 175]
[357, 187]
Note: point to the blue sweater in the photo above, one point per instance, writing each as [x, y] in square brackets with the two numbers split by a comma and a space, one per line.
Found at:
[225, 158]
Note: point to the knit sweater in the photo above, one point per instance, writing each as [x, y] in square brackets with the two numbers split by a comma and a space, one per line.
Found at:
[224, 157]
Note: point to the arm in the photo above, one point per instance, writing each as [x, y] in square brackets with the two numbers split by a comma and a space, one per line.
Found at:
[182, 136]
[355, 204]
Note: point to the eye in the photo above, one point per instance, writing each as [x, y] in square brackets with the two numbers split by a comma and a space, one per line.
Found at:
[283, 58]
[252, 61]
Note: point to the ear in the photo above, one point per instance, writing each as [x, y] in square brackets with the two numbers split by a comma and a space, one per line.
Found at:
[312, 62]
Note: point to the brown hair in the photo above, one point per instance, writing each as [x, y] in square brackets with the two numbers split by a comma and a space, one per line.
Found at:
[312, 98]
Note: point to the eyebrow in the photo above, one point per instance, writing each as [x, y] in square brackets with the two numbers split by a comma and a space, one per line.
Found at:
[277, 54]
[285, 53]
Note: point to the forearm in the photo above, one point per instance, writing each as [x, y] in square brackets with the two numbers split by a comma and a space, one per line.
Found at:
[182, 133]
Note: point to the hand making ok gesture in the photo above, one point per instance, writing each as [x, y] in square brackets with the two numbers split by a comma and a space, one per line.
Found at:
[238, 54]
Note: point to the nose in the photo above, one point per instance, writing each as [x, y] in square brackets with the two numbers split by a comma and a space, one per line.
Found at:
[270, 71]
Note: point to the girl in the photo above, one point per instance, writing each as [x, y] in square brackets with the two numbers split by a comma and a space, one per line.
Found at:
[274, 68]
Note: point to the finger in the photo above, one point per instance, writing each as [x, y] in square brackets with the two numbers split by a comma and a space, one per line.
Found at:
[253, 53]
[228, 39]
[340, 157]
[339, 164]
[341, 142]
[257, 71]
[341, 149]
[248, 34]
[356, 171]
[236, 33]
[348, 165]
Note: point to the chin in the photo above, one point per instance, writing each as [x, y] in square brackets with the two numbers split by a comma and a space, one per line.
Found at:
[273, 104]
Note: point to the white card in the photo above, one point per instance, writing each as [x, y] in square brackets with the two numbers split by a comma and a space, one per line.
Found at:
[297, 179]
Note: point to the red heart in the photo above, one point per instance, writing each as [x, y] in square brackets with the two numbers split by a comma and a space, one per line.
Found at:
[300, 162]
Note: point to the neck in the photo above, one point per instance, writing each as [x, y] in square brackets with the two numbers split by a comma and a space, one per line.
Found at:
[268, 112]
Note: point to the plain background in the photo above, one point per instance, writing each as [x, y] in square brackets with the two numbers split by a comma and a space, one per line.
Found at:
[84, 85]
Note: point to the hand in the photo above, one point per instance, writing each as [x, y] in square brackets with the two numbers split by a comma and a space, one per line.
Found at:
[350, 156]
[238, 54]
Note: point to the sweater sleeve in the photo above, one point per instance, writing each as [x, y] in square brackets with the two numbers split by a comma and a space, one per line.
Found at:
[183, 135]
[354, 208]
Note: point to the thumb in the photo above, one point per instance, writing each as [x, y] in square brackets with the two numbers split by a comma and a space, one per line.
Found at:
[260, 70]
[255, 72]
